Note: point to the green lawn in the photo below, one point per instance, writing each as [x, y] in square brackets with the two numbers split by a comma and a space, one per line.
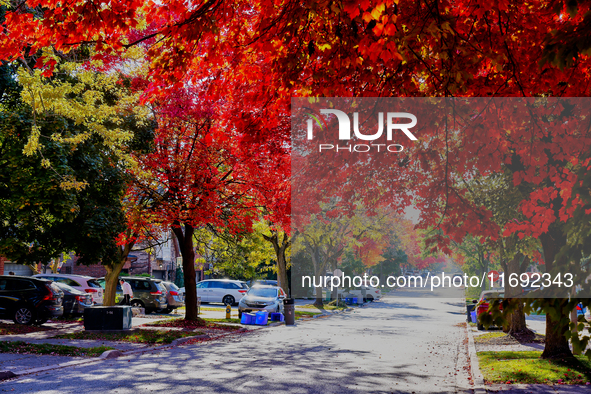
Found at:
[326, 307]
[528, 367]
[222, 320]
[135, 336]
[306, 313]
[52, 350]
[487, 336]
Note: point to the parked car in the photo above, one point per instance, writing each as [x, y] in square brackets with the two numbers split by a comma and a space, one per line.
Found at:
[483, 303]
[371, 293]
[263, 282]
[148, 293]
[29, 300]
[74, 300]
[262, 298]
[327, 293]
[83, 283]
[226, 291]
[174, 298]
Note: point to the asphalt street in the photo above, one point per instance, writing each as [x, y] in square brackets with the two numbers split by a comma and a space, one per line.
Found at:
[401, 344]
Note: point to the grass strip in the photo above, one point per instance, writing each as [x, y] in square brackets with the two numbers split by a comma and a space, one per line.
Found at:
[194, 324]
[489, 335]
[528, 367]
[20, 347]
[306, 313]
[20, 329]
[221, 320]
[135, 336]
[325, 307]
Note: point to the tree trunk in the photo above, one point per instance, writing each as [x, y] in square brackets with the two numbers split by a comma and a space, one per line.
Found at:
[516, 326]
[111, 279]
[556, 345]
[319, 303]
[282, 271]
[335, 291]
[113, 272]
[280, 247]
[54, 265]
[318, 272]
[185, 239]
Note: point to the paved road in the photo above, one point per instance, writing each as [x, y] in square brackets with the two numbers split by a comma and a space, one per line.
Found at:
[398, 345]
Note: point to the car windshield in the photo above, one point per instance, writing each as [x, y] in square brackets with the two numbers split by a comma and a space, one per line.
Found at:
[64, 286]
[263, 292]
[94, 284]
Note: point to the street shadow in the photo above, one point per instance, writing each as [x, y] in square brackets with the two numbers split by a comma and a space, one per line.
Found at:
[225, 368]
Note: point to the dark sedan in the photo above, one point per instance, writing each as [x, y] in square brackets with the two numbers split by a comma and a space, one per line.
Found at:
[29, 300]
[74, 300]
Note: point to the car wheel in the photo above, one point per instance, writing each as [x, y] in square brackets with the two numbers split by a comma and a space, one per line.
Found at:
[23, 315]
[370, 299]
[229, 300]
[137, 304]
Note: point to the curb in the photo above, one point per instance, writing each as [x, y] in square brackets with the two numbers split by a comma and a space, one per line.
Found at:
[5, 375]
[180, 341]
[109, 354]
[477, 378]
[50, 367]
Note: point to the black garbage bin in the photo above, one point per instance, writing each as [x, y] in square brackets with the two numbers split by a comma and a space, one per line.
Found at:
[116, 317]
[289, 309]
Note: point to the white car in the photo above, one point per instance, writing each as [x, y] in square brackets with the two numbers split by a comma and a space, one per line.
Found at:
[83, 283]
[371, 293]
[226, 291]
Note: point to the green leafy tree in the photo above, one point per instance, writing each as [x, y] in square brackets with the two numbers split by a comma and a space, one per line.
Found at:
[39, 219]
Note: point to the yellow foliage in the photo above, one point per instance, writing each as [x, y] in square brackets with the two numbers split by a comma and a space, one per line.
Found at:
[95, 100]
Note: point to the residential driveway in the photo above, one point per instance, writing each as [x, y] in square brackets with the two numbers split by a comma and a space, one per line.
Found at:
[398, 345]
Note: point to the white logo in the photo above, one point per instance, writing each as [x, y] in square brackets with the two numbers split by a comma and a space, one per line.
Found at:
[345, 125]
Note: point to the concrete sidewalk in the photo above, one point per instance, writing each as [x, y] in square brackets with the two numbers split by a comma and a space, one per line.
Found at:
[29, 363]
[19, 363]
